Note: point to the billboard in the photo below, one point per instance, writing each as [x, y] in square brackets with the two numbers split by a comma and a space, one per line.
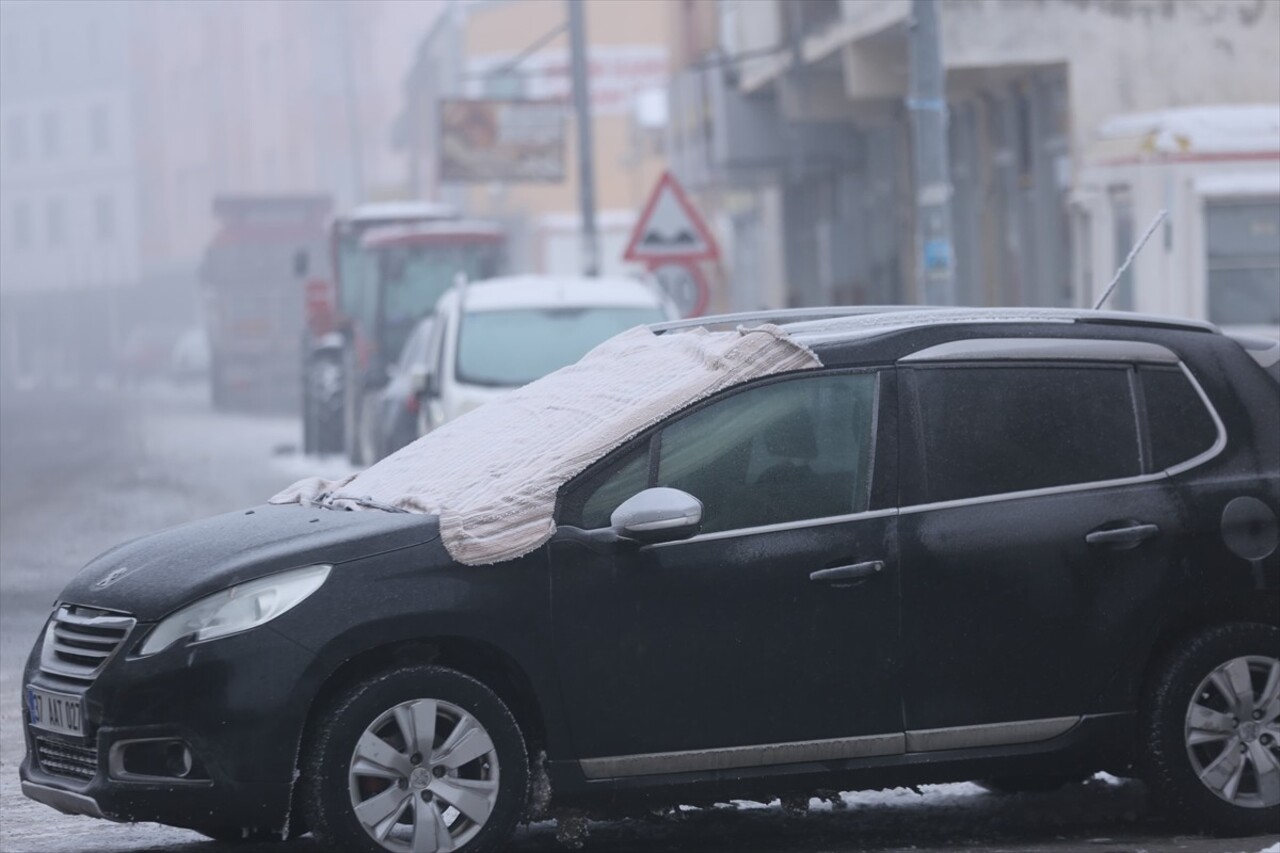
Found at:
[501, 140]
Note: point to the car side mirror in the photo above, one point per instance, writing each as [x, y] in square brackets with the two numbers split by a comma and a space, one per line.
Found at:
[658, 515]
[419, 379]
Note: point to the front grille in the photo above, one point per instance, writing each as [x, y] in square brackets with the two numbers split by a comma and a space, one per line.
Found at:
[80, 640]
[66, 759]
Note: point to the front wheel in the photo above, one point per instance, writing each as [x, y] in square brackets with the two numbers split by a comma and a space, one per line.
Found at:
[419, 758]
[1211, 730]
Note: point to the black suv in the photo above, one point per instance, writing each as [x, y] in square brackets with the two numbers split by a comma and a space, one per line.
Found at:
[1015, 546]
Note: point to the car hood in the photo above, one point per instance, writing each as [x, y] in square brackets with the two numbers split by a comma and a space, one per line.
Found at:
[156, 574]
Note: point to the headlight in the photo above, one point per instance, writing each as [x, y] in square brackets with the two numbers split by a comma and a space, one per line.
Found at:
[236, 609]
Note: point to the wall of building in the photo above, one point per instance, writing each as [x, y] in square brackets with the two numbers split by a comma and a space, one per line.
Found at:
[1125, 56]
[1029, 82]
[628, 60]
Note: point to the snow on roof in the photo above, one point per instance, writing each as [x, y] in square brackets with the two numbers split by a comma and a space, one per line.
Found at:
[1217, 129]
[547, 291]
[878, 322]
[402, 210]
[413, 232]
[492, 475]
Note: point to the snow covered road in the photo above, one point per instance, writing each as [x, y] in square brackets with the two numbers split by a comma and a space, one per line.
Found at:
[80, 472]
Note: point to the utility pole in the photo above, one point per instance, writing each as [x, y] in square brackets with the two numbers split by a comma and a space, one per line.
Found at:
[586, 150]
[927, 103]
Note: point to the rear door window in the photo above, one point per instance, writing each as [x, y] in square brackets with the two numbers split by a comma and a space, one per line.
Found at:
[991, 430]
[1180, 426]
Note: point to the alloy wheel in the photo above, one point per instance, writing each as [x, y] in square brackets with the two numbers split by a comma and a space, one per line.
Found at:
[424, 777]
[1233, 731]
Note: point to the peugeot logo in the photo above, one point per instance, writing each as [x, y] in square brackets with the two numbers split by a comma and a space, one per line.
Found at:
[112, 577]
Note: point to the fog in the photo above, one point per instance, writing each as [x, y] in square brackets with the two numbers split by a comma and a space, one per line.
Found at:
[222, 221]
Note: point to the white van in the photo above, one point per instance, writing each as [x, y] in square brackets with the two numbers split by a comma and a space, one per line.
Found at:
[495, 335]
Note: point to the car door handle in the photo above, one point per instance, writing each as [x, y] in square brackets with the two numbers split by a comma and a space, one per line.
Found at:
[857, 571]
[1122, 536]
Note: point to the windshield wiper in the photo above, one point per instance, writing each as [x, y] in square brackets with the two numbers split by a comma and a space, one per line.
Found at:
[327, 501]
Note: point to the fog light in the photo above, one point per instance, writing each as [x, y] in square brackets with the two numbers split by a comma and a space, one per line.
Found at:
[177, 759]
[153, 758]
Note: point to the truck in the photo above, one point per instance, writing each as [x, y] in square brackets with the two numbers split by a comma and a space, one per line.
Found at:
[252, 309]
[391, 262]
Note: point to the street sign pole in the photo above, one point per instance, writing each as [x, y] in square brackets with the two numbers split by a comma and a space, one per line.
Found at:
[586, 151]
[927, 104]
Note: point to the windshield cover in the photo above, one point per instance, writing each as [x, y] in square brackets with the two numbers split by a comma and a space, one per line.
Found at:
[492, 475]
[513, 348]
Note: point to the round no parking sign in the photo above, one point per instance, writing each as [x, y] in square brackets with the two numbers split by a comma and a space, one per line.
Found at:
[685, 285]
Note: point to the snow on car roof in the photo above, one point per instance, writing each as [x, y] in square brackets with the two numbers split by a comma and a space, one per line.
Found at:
[545, 291]
[817, 326]
[427, 232]
[492, 475]
[402, 210]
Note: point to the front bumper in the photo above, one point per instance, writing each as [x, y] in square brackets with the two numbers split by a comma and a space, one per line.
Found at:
[239, 703]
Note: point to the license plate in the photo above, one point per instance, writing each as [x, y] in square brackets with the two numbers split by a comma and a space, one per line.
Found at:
[55, 712]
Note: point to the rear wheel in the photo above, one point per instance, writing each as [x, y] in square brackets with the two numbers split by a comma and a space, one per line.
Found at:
[419, 758]
[1211, 727]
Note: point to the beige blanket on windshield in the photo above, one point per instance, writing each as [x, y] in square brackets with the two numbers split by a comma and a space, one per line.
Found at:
[492, 475]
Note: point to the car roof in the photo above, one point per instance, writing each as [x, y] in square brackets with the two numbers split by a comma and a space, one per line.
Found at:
[546, 291]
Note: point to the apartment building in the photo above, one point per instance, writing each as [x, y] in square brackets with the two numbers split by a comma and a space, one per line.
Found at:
[792, 121]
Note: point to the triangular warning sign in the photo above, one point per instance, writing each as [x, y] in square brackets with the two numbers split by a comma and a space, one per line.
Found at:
[670, 229]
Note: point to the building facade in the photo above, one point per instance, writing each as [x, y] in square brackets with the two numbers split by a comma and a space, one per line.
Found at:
[793, 122]
[121, 121]
[519, 49]
[69, 174]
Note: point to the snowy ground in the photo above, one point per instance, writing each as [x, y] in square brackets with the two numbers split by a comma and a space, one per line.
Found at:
[81, 470]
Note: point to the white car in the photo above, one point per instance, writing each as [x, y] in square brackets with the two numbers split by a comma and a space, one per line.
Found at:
[498, 334]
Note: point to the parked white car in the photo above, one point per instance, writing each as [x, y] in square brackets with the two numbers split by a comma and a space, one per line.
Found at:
[495, 335]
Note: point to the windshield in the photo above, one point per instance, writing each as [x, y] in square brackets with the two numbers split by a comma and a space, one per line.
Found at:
[512, 348]
[415, 277]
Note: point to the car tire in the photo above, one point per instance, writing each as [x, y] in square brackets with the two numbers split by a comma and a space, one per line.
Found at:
[324, 396]
[1038, 784]
[1209, 759]
[362, 781]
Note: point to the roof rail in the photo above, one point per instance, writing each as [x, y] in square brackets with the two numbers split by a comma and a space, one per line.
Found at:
[782, 315]
[863, 318]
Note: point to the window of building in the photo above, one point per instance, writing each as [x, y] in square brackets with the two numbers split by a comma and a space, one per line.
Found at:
[21, 213]
[12, 55]
[785, 451]
[50, 135]
[44, 47]
[1242, 244]
[1180, 425]
[55, 220]
[1122, 239]
[15, 133]
[100, 130]
[104, 217]
[993, 430]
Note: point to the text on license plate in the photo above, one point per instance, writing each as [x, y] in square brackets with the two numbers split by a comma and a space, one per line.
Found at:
[56, 712]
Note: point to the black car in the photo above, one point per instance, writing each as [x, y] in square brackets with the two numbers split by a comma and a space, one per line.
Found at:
[1012, 546]
[394, 411]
